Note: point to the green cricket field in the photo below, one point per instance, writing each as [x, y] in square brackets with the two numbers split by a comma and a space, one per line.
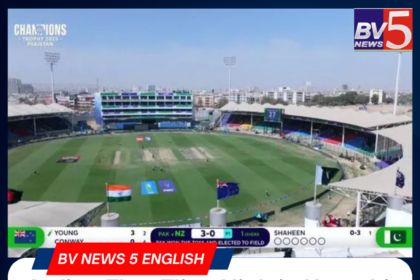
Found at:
[270, 173]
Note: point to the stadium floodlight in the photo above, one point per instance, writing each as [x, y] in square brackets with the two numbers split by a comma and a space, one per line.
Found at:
[230, 62]
[396, 84]
[52, 58]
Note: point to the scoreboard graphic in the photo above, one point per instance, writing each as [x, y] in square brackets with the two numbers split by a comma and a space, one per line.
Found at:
[34, 237]
[272, 115]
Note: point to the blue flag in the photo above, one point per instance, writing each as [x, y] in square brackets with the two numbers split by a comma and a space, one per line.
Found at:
[225, 190]
[25, 237]
[400, 182]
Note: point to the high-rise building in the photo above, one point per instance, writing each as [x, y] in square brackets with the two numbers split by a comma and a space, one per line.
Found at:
[294, 97]
[151, 88]
[14, 85]
[92, 90]
[85, 101]
[380, 93]
[27, 89]
[204, 100]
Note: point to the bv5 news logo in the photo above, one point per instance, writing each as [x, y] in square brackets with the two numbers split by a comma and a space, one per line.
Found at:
[383, 30]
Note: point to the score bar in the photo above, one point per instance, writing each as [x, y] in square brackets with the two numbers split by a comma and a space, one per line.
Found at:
[269, 237]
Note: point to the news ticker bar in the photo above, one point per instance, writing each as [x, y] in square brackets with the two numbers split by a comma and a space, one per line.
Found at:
[35, 237]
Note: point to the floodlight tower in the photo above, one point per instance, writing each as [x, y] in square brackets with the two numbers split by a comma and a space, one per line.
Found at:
[396, 84]
[230, 62]
[52, 58]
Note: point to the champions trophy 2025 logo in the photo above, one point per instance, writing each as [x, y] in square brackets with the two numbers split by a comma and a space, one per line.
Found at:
[383, 30]
[40, 35]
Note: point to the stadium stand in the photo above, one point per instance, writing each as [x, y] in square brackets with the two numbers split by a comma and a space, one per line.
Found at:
[387, 135]
[174, 125]
[35, 110]
[82, 126]
[25, 128]
[362, 141]
[26, 121]
[354, 140]
[225, 120]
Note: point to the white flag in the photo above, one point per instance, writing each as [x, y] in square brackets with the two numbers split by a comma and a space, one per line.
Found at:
[318, 175]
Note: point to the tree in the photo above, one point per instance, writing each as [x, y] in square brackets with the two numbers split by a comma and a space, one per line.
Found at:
[361, 99]
[268, 100]
[375, 99]
[389, 100]
[318, 99]
[25, 101]
[282, 102]
[348, 98]
[222, 102]
[406, 99]
[251, 100]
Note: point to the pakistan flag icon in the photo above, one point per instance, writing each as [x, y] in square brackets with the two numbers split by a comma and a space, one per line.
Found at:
[395, 237]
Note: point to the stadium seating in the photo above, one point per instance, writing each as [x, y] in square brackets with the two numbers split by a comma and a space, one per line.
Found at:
[354, 140]
[173, 125]
[225, 120]
[52, 124]
[239, 121]
[11, 136]
[21, 129]
[25, 128]
[82, 126]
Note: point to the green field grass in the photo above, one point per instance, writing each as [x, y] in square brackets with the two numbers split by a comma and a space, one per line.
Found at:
[258, 164]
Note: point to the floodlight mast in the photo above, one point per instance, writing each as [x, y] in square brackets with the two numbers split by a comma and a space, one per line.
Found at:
[397, 84]
[230, 62]
[52, 58]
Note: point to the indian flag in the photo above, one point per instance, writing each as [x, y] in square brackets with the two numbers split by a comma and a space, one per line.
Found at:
[116, 193]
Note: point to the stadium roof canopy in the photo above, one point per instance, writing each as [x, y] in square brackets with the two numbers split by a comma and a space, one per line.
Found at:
[20, 110]
[383, 181]
[348, 116]
[45, 214]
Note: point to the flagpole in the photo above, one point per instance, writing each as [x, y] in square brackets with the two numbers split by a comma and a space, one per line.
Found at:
[217, 185]
[315, 185]
[107, 200]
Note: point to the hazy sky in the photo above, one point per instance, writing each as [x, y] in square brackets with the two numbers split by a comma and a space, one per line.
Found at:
[185, 48]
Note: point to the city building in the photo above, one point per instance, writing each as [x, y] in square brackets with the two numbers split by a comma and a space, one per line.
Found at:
[44, 98]
[381, 95]
[238, 97]
[204, 100]
[220, 96]
[85, 101]
[273, 94]
[92, 90]
[66, 100]
[14, 86]
[27, 89]
[288, 97]
[62, 100]
[299, 97]
[294, 97]
[284, 89]
[247, 97]
[151, 88]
